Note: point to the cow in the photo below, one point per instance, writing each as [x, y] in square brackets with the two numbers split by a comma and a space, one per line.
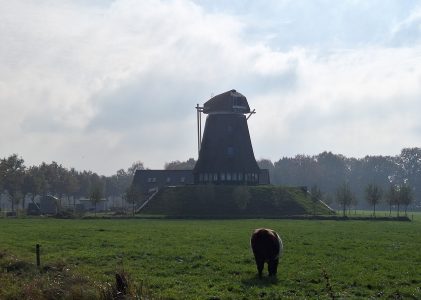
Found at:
[267, 248]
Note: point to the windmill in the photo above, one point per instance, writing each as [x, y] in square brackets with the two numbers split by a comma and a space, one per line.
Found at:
[225, 152]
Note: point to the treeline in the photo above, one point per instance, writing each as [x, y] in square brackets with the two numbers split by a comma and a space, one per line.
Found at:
[19, 183]
[326, 172]
[330, 171]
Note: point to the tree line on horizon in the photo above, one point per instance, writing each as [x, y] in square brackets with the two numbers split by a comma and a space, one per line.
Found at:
[331, 173]
[327, 171]
[20, 183]
[343, 181]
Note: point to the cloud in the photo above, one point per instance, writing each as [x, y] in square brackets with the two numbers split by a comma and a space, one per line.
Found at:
[98, 85]
[319, 23]
[408, 31]
[354, 102]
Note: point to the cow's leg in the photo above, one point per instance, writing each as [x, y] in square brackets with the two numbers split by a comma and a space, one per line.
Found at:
[273, 266]
[260, 264]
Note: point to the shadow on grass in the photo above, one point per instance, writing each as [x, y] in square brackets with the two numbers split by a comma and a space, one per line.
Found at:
[260, 282]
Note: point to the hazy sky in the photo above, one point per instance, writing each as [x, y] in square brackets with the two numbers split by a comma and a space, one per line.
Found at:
[100, 84]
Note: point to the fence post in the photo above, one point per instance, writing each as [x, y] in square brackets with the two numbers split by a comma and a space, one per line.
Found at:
[38, 256]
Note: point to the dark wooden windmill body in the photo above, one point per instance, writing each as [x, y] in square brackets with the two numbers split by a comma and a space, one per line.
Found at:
[225, 152]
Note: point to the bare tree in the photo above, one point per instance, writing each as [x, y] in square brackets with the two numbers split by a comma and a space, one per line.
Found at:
[373, 195]
[405, 196]
[96, 196]
[133, 196]
[391, 197]
[344, 196]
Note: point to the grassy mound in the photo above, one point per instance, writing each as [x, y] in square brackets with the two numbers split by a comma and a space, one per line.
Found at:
[232, 202]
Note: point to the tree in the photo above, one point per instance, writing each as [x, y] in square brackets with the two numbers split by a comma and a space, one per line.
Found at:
[29, 187]
[373, 195]
[133, 196]
[111, 188]
[85, 183]
[12, 171]
[344, 196]
[268, 165]
[124, 180]
[265, 163]
[316, 194]
[354, 203]
[96, 196]
[180, 165]
[409, 162]
[405, 196]
[71, 186]
[56, 178]
[392, 197]
[137, 165]
[43, 177]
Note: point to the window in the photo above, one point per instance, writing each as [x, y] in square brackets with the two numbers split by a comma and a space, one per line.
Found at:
[151, 179]
[182, 179]
[205, 177]
[168, 179]
[234, 176]
[200, 177]
[240, 176]
[222, 176]
[215, 176]
[228, 176]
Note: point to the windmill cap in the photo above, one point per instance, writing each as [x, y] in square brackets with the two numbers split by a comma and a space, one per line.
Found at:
[228, 102]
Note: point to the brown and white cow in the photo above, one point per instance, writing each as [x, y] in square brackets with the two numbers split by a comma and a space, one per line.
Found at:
[267, 248]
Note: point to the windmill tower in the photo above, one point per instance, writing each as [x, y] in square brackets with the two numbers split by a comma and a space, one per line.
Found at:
[225, 152]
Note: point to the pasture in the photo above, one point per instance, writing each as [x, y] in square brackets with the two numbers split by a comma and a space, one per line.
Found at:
[211, 259]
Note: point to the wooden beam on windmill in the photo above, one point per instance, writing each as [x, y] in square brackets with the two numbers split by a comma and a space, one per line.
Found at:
[199, 111]
[251, 113]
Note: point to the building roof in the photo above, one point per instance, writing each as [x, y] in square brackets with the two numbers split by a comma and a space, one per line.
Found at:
[228, 102]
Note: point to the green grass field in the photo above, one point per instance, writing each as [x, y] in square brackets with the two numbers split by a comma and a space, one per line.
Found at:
[195, 259]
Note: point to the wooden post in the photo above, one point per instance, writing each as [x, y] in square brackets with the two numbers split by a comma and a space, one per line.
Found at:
[38, 256]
